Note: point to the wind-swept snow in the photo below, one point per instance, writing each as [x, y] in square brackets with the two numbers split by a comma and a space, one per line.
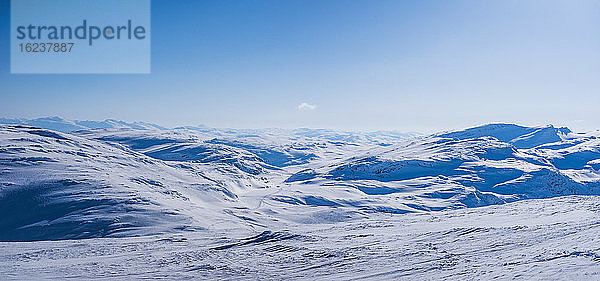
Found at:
[549, 239]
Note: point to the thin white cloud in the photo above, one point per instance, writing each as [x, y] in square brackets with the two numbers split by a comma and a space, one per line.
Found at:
[306, 107]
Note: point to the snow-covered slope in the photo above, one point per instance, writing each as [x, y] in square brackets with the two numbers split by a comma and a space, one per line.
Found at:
[273, 179]
[549, 239]
[238, 204]
[58, 186]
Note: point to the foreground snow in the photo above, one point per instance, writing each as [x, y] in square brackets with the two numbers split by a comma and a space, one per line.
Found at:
[543, 239]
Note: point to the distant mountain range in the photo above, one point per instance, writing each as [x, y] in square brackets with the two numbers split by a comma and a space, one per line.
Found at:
[60, 124]
[66, 126]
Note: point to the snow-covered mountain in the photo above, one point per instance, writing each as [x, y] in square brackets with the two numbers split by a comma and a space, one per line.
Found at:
[479, 166]
[120, 181]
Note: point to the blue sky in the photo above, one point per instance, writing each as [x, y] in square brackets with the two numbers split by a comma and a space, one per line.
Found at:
[404, 65]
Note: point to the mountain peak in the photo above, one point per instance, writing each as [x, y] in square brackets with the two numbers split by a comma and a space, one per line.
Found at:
[517, 135]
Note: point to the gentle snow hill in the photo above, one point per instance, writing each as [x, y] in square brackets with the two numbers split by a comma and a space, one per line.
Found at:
[59, 186]
[179, 146]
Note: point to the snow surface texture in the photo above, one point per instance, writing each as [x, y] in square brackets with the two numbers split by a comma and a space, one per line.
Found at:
[198, 202]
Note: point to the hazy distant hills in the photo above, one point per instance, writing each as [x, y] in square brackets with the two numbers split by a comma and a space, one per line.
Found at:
[64, 125]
